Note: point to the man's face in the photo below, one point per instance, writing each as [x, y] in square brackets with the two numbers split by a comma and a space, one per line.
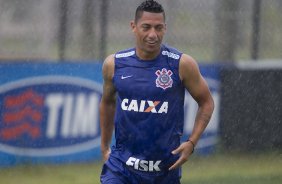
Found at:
[149, 31]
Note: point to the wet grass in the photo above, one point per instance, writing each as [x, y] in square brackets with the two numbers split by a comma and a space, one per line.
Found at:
[230, 168]
[216, 169]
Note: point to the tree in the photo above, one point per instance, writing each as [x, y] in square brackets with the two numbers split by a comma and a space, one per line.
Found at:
[88, 30]
[226, 34]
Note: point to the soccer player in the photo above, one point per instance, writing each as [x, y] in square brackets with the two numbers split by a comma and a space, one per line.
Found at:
[143, 100]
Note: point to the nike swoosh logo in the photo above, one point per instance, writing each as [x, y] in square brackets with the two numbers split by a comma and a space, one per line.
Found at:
[125, 77]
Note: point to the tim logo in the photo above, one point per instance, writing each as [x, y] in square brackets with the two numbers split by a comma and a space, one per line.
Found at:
[164, 79]
[49, 116]
[22, 115]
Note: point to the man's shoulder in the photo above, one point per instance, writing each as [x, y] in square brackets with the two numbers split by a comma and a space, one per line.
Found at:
[171, 52]
[170, 48]
[125, 53]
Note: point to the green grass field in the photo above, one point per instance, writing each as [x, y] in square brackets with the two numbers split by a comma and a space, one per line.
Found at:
[216, 169]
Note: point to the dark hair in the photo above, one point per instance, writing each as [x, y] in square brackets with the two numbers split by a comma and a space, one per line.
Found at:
[148, 6]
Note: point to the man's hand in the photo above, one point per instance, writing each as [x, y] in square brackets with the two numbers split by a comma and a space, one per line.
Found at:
[106, 154]
[185, 150]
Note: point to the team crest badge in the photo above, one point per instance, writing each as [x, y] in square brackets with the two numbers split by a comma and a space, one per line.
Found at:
[164, 79]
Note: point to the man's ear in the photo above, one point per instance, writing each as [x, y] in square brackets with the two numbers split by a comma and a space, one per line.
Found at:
[165, 25]
[132, 25]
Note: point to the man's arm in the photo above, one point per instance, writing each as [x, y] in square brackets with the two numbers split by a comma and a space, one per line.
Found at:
[198, 88]
[107, 107]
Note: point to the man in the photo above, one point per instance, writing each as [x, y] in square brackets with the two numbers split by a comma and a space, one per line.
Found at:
[143, 99]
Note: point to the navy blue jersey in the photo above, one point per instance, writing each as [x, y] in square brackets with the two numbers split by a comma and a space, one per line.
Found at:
[149, 110]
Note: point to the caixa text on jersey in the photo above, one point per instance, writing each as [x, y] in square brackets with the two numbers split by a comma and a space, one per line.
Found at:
[144, 106]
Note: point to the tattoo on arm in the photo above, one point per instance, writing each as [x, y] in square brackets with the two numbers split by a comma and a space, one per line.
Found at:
[203, 117]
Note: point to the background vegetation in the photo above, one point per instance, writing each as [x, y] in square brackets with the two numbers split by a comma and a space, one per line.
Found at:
[219, 168]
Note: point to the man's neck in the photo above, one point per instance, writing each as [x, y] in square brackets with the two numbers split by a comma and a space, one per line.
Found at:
[147, 55]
